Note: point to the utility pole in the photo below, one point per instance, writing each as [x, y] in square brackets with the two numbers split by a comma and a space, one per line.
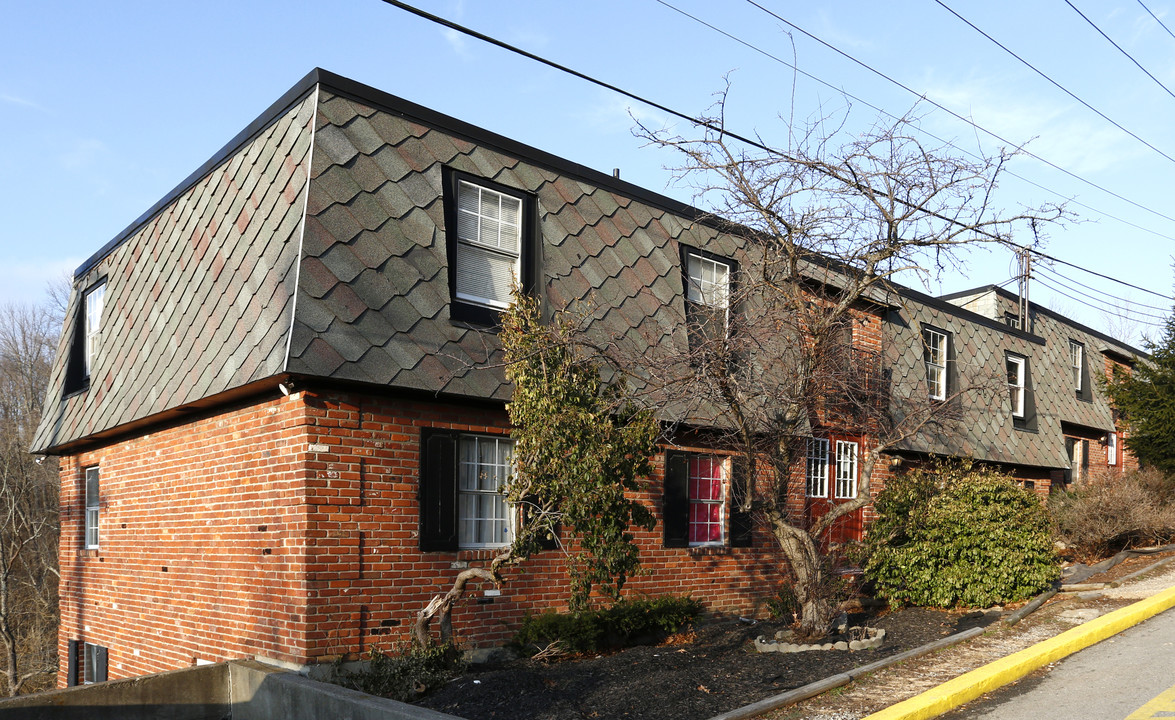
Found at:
[1025, 275]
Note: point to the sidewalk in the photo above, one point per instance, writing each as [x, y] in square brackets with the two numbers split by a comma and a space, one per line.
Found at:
[933, 684]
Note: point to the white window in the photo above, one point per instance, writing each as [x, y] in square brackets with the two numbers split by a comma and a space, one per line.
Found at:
[817, 467]
[91, 530]
[1076, 359]
[1012, 320]
[484, 517]
[93, 321]
[1112, 449]
[935, 352]
[846, 469]
[489, 241]
[707, 482]
[709, 282]
[1015, 367]
[94, 669]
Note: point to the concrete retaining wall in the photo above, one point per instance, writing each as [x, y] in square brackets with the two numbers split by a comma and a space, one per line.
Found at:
[237, 690]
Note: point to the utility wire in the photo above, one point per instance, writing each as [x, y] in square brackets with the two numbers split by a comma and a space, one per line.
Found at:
[1160, 22]
[947, 143]
[1136, 316]
[1056, 84]
[850, 181]
[957, 116]
[1132, 307]
[711, 126]
[1038, 253]
[1058, 277]
[1128, 55]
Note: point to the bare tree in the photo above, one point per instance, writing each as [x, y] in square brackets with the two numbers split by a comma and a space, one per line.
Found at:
[28, 502]
[826, 228]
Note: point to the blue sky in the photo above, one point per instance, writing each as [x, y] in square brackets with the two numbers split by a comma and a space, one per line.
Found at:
[105, 107]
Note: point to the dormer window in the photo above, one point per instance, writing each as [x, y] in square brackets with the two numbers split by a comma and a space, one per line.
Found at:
[934, 350]
[489, 239]
[1015, 368]
[489, 229]
[707, 294]
[93, 324]
[1077, 362]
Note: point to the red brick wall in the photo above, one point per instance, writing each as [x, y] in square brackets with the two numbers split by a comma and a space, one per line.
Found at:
[199, 554]
[289, 530]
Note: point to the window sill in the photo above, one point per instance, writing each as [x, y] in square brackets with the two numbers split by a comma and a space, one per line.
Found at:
[477, 554]
[709, 550]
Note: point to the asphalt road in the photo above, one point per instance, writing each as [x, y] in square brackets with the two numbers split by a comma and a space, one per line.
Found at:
[1130, 676]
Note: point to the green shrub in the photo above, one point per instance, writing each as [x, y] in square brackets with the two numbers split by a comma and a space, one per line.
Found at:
[1109, 513]
[952, 535]
[405, 675]
[627, 622]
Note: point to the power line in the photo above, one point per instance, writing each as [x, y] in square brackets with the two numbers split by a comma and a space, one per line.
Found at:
[1128, 55]
[846, 179]
[1056, 84]
[1091, 272]
[957, 116]
[947, 143]
[711, 126]
[1134, 316]
[1132, 307]
[1059, 277]
[1160, 22]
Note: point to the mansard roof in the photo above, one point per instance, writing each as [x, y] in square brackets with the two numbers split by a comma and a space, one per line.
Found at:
[313, 244]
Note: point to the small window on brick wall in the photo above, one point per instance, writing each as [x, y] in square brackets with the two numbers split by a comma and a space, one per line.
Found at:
[94, 664]
[461, 500]
[92, 507]
[697, 490]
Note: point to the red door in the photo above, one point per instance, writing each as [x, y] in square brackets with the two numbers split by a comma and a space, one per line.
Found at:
[832, 477]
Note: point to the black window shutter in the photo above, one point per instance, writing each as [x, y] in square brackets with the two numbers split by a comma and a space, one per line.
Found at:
[99, 663]
[740, 495]
[438, 491]
[952, 374]
[675, 504]
[1084, 454]
[1086, 381]
[71, 671]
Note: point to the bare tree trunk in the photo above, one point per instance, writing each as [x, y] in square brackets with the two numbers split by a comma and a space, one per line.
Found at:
[442, 605]
[805, 559]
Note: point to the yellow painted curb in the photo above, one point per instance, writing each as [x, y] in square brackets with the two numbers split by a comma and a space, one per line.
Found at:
[964, 688]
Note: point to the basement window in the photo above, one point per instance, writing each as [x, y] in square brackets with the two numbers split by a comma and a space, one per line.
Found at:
[95, 664]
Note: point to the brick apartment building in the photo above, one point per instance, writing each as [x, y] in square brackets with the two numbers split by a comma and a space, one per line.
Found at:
[270, 386]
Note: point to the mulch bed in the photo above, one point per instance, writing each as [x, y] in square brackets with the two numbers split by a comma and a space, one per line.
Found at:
[716, 672]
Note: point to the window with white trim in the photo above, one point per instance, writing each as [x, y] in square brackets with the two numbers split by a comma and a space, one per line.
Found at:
[94, 300]
[709, 282]
[707, 506]
[489, 245]
[707, 294]
[1077, 361]
[817, 468]
[92, 505]
[934, 344]
[1015, 369]
[846, 470]
[484, 517]
[1112, 448]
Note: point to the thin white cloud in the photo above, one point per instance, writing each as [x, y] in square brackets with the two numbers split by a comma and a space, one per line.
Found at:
[1059, 132]
[22, 102]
